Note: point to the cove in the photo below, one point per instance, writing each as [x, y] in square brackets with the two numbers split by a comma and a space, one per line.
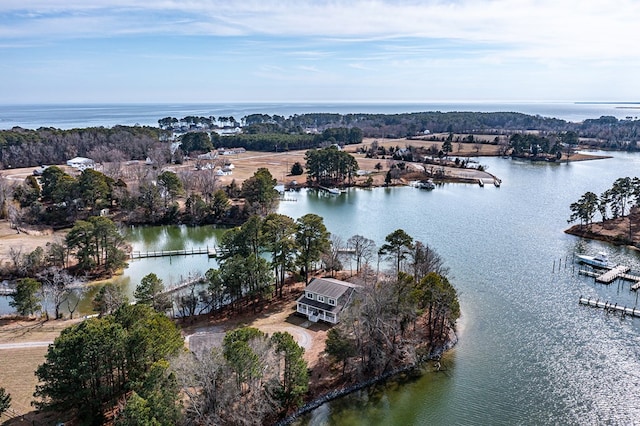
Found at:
[527, 352]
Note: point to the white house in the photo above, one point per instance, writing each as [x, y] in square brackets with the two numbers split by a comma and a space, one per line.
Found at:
[325, 299]
[81, 163]
[231, 151]
[208, 156]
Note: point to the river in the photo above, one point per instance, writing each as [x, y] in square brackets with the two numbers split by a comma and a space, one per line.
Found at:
[527, 352]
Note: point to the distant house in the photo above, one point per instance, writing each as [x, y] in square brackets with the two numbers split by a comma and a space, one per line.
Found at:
[228, 131]
[211, 155]
[81, 163]
[231, 151]
[325, 299]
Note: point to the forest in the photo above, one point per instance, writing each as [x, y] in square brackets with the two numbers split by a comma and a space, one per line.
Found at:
[262, 132]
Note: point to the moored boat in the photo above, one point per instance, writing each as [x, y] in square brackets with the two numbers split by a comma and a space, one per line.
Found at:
[425, 184]
[600, 260]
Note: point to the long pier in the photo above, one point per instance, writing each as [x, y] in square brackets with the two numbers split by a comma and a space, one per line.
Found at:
[180, 285]
[209, 251]
[608, 306]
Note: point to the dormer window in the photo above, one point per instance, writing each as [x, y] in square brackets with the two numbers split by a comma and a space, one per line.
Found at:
[309, 295]
[332, 302]
[320, 299]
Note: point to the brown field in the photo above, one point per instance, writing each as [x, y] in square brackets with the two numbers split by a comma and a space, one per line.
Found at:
[23, 345]
[24, 241]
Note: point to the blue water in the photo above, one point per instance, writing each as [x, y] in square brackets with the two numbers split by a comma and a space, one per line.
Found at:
[528, 352]
[108, 115]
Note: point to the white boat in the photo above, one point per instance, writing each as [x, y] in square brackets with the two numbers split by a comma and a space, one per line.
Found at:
[425, 184]
[600, 260]
[334, 191]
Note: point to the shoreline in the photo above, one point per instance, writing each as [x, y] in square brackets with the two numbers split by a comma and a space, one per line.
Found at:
[246, 164]
[619, 231]
[415, 370]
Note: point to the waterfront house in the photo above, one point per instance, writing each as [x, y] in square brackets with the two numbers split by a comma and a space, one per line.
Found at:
[325, 299]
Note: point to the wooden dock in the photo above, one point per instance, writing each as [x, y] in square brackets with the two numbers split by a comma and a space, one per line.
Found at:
[180, 285]
[209, 251]
[612, 274]
[608, 306]
[619, 272]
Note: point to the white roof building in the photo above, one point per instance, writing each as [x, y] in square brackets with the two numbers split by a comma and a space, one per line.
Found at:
[81, 163]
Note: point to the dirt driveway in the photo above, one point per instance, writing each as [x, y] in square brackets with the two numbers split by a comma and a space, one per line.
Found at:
[311, 336]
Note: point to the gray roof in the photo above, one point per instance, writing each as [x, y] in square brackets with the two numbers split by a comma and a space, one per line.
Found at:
[329, 287]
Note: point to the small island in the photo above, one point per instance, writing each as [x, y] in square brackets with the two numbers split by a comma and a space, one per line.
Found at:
[618, 210]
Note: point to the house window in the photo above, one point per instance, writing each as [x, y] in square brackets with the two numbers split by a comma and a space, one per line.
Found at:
[321, 299]
[309, 295]
[332, 302]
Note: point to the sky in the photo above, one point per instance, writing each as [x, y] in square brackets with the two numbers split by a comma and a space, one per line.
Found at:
[149, 51]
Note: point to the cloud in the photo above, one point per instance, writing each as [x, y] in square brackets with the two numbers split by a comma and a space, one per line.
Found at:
[451, 46]
[529, 28]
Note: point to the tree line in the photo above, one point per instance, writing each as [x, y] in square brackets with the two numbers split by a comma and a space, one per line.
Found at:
[29, 148]
[548, 147]
[613, 203]
[149, 195]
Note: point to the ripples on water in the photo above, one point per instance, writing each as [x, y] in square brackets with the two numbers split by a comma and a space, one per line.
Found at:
[528, 353]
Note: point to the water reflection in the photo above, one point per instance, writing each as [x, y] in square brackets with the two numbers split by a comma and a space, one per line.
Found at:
[529, 353]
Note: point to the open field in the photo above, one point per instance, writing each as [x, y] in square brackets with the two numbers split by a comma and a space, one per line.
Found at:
[23, 345]
[25, 241]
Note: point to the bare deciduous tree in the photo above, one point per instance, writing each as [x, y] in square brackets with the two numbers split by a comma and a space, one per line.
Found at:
[332, 258]
[57, 286]
[362, 250]
[424, 259]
